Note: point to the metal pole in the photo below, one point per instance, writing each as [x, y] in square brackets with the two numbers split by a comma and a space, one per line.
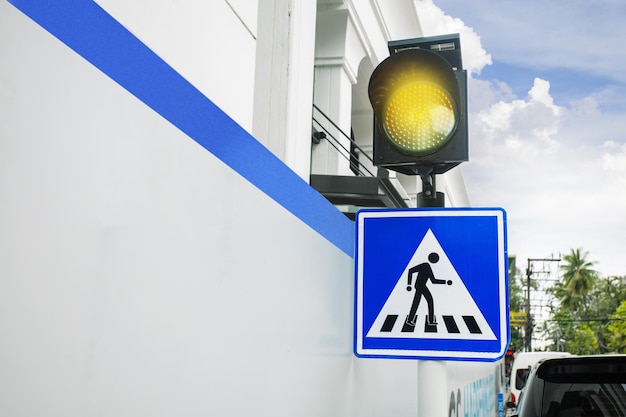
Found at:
[432, 376]
[529, 327]
[529, 323]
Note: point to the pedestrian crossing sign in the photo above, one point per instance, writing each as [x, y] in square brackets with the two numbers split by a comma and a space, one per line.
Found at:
[431, 284]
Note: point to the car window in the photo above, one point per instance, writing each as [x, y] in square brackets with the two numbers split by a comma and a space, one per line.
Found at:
[584, 400]
[520, 377]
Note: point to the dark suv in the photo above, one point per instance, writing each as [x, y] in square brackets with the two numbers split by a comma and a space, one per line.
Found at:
[576, 386]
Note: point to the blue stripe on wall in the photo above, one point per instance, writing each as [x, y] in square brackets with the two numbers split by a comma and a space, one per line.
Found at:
[95, 35]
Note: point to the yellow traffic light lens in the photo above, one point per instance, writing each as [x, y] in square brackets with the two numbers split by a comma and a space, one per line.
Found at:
[419, 98]
[415, 97]
[419, 117]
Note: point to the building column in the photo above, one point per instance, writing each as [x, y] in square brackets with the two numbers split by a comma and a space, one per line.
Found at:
[284, 80]
[338, 52]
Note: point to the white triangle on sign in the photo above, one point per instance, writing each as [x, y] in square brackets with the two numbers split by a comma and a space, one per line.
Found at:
[456, 313]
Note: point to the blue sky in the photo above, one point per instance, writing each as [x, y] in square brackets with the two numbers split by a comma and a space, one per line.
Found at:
[566, 84]
[547, 98]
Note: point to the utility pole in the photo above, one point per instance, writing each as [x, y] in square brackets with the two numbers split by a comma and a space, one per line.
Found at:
[529, 321]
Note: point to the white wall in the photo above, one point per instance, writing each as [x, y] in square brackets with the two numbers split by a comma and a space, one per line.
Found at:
[141, 275]
[144, 269]
[210, 43]
[473, 388]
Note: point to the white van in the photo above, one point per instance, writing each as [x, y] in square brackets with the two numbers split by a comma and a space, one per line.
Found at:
[522, 364]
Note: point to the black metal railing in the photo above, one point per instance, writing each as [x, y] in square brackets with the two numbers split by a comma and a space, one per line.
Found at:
[363, 189]
[325, 129]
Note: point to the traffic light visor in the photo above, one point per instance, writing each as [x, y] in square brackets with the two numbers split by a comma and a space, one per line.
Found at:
[414, 94]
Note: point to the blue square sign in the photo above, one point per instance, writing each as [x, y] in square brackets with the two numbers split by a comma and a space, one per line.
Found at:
[431, 284]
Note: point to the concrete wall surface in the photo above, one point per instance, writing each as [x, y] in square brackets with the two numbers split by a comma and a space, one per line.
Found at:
[155, 258]
[142, 271]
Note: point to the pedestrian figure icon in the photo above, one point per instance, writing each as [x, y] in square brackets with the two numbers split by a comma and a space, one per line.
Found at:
[418, 277]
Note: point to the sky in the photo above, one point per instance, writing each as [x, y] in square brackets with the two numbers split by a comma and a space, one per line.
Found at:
[547, 109]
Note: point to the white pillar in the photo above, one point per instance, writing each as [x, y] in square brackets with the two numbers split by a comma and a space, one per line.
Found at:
[332, 95]
[284, 80]
[432, 389]
[338, 52]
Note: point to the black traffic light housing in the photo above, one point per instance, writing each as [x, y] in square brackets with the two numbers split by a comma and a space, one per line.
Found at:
[419, 97]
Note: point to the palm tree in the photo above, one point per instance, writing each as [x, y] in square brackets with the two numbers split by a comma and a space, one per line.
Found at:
[578, 279]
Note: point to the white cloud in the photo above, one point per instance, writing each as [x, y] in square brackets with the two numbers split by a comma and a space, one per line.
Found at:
[561, 191]
[435, 22]
[538, 116]
[614, 160]
[482, 94]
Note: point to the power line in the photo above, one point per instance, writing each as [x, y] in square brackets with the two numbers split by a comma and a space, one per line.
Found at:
[529, 273]
[591, 319]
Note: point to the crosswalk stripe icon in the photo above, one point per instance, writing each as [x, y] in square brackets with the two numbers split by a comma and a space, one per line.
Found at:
[430, 300]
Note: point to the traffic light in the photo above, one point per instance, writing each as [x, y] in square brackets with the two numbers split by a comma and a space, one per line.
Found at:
[419, 97]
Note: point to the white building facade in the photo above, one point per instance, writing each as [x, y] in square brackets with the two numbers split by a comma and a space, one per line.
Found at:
[162, 251]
